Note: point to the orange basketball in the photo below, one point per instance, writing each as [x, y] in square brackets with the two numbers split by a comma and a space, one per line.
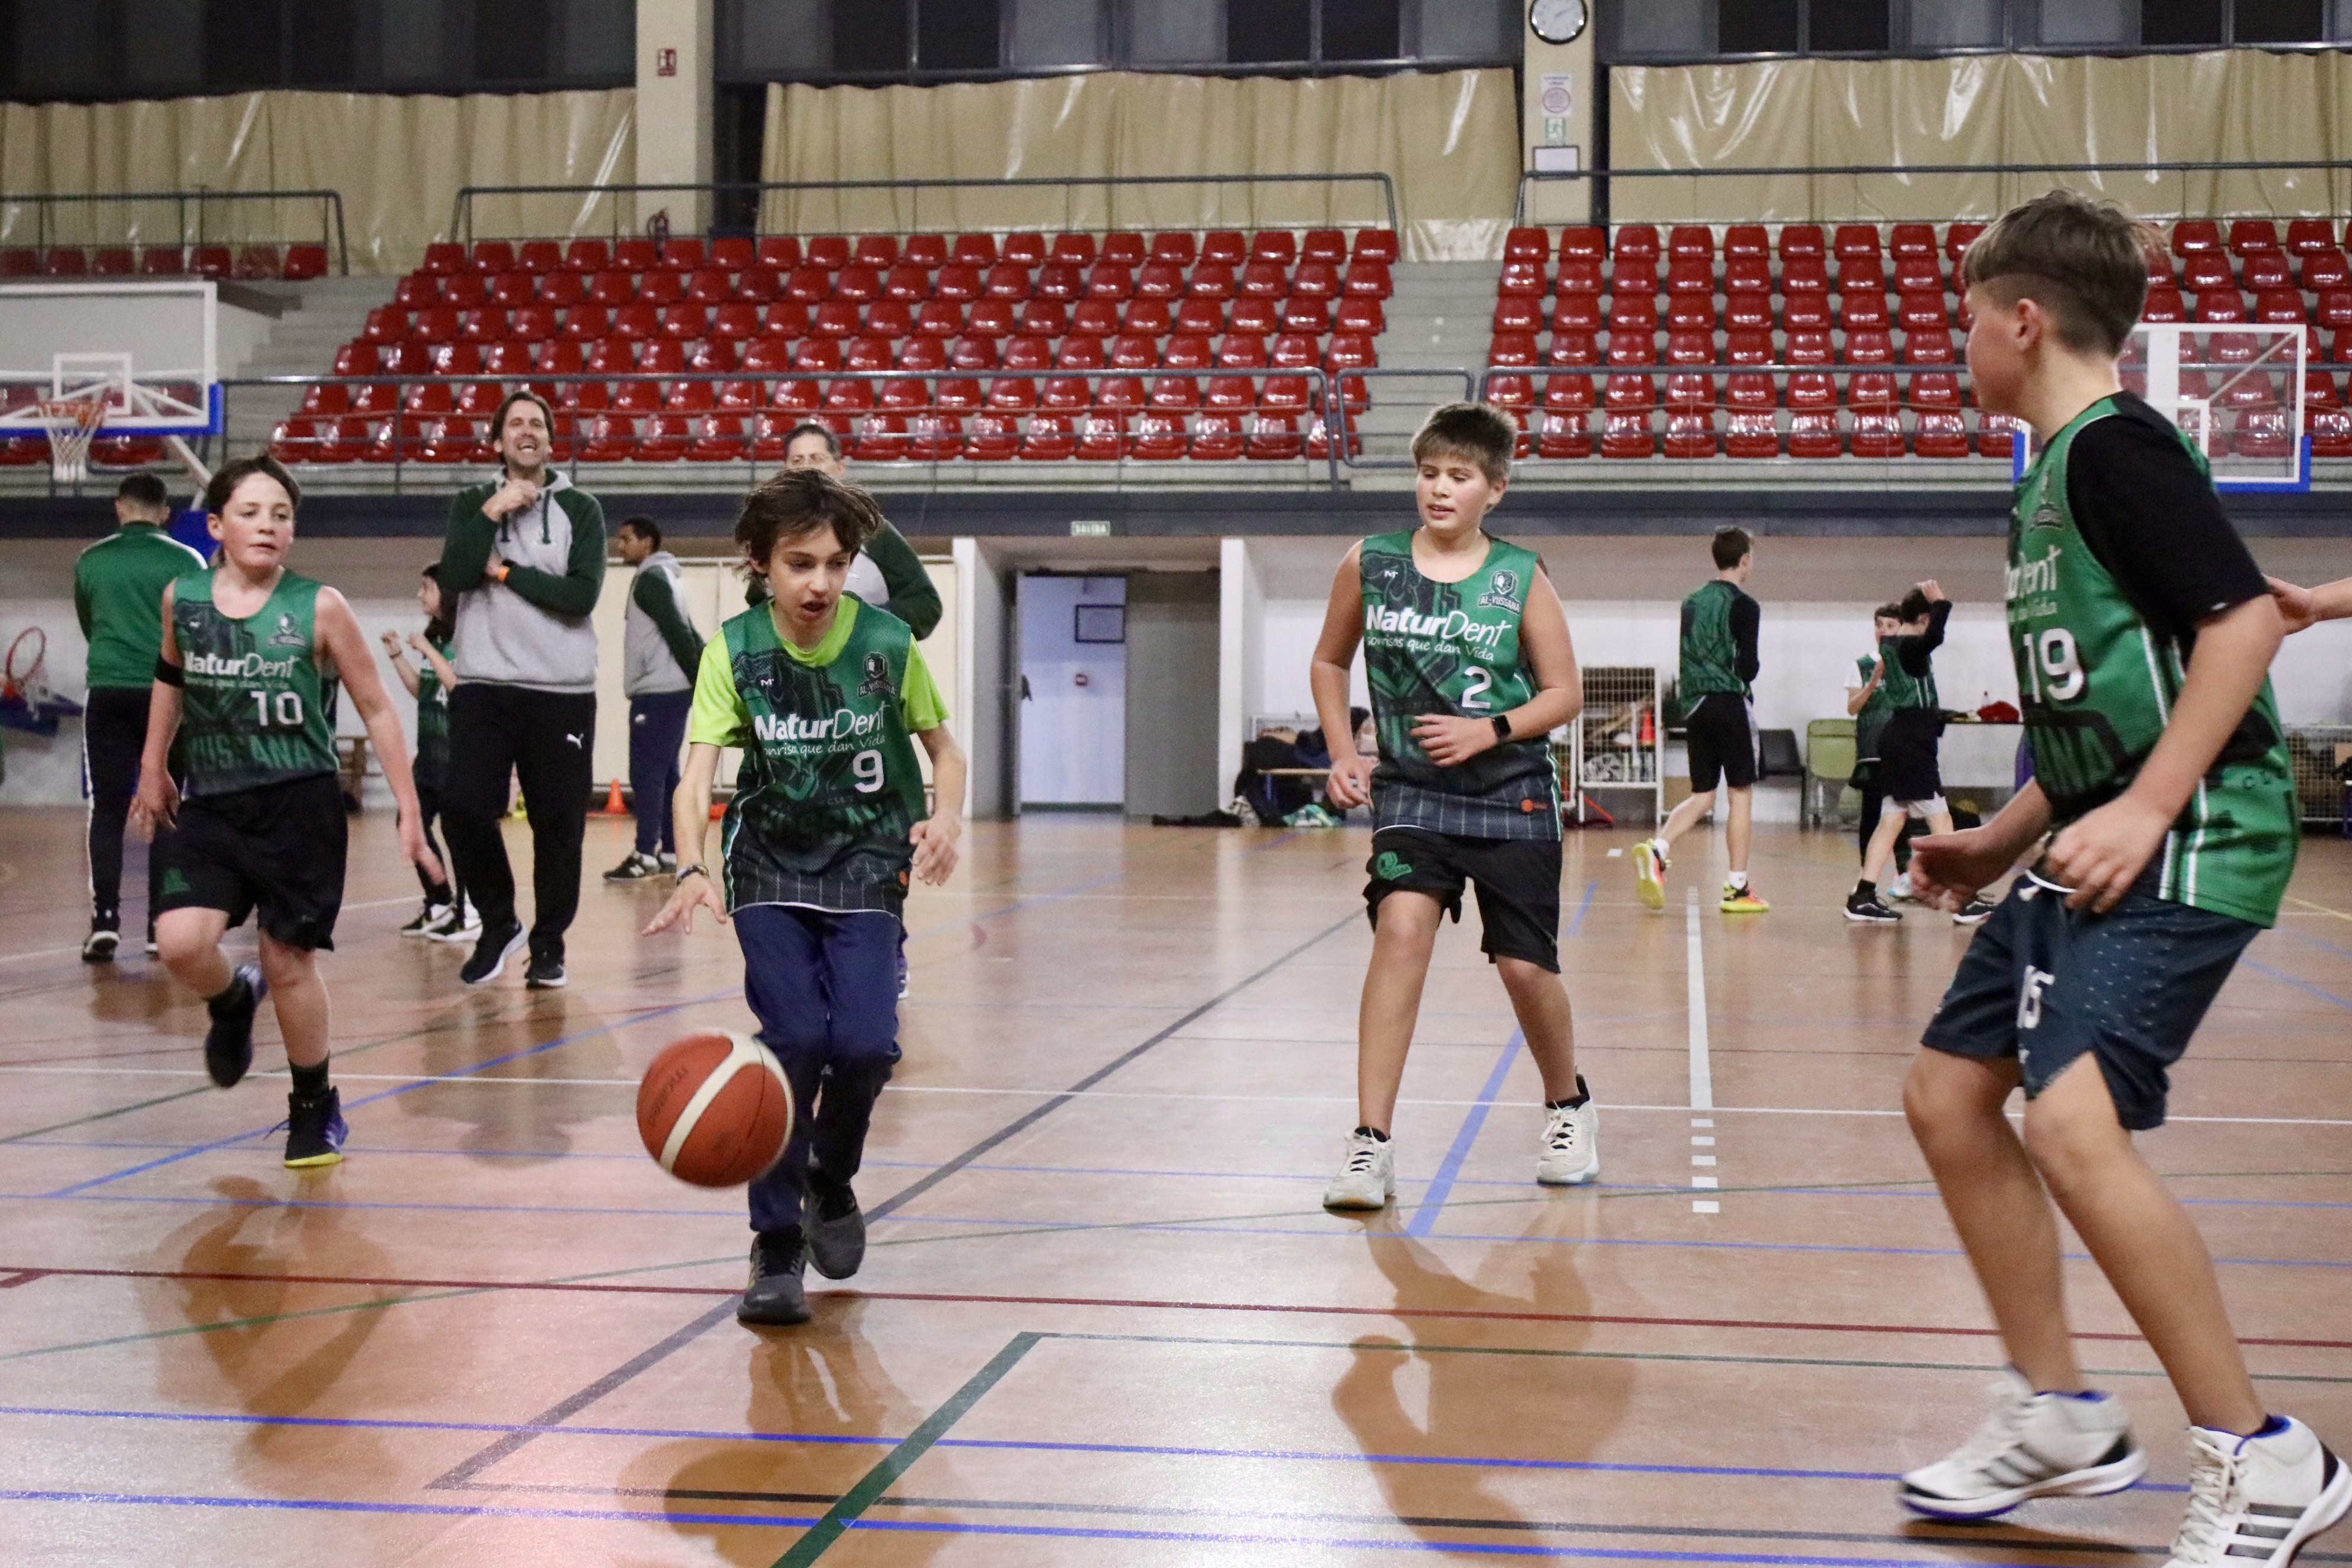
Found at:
[715, 1109]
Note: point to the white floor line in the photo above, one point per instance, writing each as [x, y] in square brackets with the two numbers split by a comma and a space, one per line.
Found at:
[1702, 1065]
[485, 1080]
[61, 952]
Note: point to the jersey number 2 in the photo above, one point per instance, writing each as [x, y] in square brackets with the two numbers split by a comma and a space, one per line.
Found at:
[1479, 681]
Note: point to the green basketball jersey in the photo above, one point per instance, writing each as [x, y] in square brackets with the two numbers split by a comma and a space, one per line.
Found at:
[1900, 688]
[1710, 653]
[1453, 648]
[2097, 685]
[829, 786]
[432, 717]
[255, 708]
[1871, 722]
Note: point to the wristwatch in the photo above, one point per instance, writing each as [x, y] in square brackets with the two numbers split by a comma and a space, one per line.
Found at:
[1502, 729]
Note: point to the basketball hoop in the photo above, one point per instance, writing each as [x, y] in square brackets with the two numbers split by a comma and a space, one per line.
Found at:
[71, 424]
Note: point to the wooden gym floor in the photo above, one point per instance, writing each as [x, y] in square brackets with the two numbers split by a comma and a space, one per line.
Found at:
[1104, 1320]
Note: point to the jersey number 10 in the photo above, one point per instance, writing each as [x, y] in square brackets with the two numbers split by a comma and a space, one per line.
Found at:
[287, 707]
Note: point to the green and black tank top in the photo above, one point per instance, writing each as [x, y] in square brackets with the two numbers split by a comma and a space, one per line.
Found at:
[1870, 724]
[1710, 652]
[254, 707]
[1453, 648]
[431, 719]
[829, 787]
[1900, 688]
[2097, 685]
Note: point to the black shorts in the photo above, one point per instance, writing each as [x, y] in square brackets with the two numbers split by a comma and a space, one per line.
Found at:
[278, 848]
[1721, 736]
[2042, 983]
[1906, 755]
[1517, 881]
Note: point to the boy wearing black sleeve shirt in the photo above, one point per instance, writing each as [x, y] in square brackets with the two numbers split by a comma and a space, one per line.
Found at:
[1908, 777]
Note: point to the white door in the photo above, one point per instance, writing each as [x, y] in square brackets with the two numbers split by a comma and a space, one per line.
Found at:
[1073, 692]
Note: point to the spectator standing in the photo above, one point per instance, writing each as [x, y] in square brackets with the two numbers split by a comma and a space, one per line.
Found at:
[887, 573]
[524, 557]
[661, 652]
[445, 916]
[119, 585]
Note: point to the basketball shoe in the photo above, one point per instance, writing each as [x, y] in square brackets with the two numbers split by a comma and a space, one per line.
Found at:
[1742, 898]
[315, 1131]
[774, 1294]
[1975, 913]
[2032, 1445]
[1570, 1154]
[837, 1233]
[1367, 1177]
[1650, 865]
[229, 1042]
[2253, 1501]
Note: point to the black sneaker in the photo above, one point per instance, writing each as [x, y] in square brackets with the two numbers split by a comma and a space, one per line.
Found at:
[837, 1234]
[428, 921]
[638, 867]
[1863, 909]
[1975, 913]
[491, 951]
[774, 1295]
[315, 1131]
[544, 975]
[152, 949]
[229, 1044]
[99, 946]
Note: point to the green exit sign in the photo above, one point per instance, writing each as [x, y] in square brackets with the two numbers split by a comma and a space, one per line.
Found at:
[1089, 528]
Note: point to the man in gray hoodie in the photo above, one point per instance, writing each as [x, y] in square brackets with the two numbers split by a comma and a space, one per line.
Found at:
[660, 653]
[524, 561]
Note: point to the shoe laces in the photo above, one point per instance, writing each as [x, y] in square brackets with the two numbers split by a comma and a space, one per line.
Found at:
[1560, 1128]
[2216, 1496]
[775, 1253]
[1363, 1157]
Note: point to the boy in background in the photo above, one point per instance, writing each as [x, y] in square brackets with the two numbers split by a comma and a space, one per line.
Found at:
[660, 651]
[1910, 783]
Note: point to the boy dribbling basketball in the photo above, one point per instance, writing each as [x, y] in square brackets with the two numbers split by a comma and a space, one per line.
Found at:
[2142, 634]
[251, 658]
[1471, 668]
[826, 696]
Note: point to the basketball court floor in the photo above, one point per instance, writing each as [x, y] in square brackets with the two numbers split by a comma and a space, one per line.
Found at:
[1104, 1320]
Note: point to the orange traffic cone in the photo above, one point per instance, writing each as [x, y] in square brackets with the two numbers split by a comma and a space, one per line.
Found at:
[612, 806]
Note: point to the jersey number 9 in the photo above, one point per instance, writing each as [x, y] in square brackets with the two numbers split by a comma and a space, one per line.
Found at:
[284, 711]
[867, 767]
[2051, 667]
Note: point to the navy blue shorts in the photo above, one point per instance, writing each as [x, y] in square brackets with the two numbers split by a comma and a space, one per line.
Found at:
[2042, 983]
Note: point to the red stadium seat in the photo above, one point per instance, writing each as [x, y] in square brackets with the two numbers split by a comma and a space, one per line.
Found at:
[1857, 241]
[2193, 237]
[214, 260]
[1802, 241]
[1217, 437]
[1160, 437]
[1072, 251]
[2326, 268]
[975, 250]
[444, 260]
[879, 251]
[1110, 281]
[492, 256]
[162, 261]
[111, 261]
[993, 438]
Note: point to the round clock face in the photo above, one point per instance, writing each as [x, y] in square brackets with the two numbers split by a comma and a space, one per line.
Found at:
[1557, 21]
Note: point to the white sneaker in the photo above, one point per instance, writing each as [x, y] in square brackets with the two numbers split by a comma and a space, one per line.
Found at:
[1901, 888]
[1570, 1154]
[2032, 1445]
[1367, 1177]
[463, 923]
[1649, 873]
[2253, 1500]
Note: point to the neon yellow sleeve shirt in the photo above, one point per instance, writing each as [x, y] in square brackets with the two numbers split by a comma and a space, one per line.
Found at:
[721, 719]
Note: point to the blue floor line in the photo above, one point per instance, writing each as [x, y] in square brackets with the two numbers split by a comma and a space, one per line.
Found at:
[1440, 1185]
[2286, 979]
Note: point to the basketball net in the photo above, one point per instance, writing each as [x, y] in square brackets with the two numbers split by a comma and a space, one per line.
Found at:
[71, 424]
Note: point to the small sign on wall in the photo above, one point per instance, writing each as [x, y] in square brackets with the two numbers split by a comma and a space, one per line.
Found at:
[665, 62]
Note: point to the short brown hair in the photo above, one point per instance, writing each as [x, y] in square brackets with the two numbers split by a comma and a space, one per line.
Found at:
[1478, 431]
[1731, 546]
[2083, 261]
[795, 505]
[1887, 612]
[519, 395]
[811, 428]
[236, 470]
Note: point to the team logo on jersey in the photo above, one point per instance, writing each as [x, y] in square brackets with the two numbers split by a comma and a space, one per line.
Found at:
[2045, 516]
[288, 633]
[1502, 593]
[877, 677]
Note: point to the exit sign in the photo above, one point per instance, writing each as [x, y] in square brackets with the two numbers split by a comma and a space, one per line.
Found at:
[1096, 528]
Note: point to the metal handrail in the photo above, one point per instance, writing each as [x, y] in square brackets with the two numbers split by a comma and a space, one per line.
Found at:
[461, 218]
[1604, 177]
[331, 232]
[1321, 399]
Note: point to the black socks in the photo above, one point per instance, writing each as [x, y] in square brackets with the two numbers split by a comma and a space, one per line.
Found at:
[233, 996]
[1582, 1094]
[308, 1082]
[1371, 1132]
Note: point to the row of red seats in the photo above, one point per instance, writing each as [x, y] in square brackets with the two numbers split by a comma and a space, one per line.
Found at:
[1822, 389]
[106, 452]
[1229, 388]
[1693, 432]
[616, 356]
[1746, 347]
[1637, 241]
[809, 285]
[1742, 312]
[253, 262]
[741, 319]
[930, 437]
[832, 252]
[1742, 275]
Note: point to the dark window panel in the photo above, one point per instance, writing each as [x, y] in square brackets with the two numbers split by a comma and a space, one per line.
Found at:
[2175, 22]
[245, 44]
[2281, 21]
[1362, 30]
[1756, 27]
[1268, 32]
[1848, 26]
[870, 35]
[958, 34]
[324, 43]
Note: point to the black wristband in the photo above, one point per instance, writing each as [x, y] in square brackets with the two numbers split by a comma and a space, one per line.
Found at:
[683, 872]
[169, 673]
[1502, 730]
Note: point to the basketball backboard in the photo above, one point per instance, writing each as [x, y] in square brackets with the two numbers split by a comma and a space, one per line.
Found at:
[148, 349]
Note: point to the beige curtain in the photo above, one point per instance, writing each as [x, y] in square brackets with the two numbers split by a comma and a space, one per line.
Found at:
[398, 161]
[1448, 139]
[2235, 105]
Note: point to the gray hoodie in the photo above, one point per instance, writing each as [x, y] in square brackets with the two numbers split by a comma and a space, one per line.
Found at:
[660, 649]
[533, 629]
